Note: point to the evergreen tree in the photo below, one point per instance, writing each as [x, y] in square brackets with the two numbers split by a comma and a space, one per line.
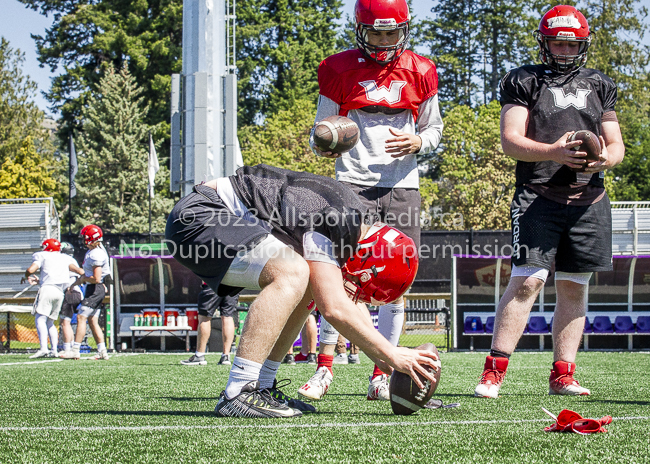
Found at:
[453, 43]
[20, 118]
[26, 175]
[474, 43]
[89, 35]
[506, 38]
[112, 153]
[280, 44]
[619, 27]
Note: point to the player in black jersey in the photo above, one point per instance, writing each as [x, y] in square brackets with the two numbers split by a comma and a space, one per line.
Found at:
[559, 216]
[295, 237]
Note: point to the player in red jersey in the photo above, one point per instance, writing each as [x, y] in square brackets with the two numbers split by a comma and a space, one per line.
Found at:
[392, 95]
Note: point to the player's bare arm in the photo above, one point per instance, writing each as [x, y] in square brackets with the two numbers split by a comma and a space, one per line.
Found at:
[76, 269]
[611, 142]
[29, 275]
[333, 303]
[93, 279]
[403, 143]
[515, 144]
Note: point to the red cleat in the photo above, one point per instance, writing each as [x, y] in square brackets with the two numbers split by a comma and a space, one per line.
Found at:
[561, 381]
[494, 372]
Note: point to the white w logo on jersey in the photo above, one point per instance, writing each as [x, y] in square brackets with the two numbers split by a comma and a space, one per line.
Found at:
[577, 100]
[392, 95]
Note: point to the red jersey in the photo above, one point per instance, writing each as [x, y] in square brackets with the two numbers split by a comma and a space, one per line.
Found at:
[354, 81]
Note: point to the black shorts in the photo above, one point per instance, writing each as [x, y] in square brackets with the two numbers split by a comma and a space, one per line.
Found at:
[210, 302]
[397, 207]
[206, 236]
[70, 303]
[577, 238]
[94, 296]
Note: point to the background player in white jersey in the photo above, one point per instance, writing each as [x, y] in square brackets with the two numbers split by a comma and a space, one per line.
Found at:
[70, 302]
[96, 268]
[392, 95]
[54, 278]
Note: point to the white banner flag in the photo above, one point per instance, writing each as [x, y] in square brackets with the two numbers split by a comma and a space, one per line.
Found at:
[153, 165]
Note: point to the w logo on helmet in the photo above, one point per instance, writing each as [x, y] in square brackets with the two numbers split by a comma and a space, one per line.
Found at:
[577, 100]
[392, 94]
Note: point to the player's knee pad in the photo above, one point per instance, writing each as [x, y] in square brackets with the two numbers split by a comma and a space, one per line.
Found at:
[581, 278]
[530, 271]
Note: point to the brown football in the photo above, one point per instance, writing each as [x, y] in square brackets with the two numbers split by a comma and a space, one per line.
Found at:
[405, 396]
[337, 134]
[590, 144]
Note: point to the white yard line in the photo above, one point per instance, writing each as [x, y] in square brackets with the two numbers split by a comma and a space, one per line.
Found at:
[32, 362]
[147, 428]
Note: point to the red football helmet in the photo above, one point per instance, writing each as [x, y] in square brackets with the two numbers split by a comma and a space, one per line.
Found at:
[382, 15]
[51, 244]
[563, 22]
[383, 267]
[91, 233]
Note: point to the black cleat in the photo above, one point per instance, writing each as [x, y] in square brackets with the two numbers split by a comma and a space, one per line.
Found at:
[293, 403]
[252, 402]
[289, 359]
[195, 361]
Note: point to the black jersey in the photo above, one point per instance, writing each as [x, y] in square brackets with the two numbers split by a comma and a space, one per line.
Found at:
[558, 103]
[294, 203]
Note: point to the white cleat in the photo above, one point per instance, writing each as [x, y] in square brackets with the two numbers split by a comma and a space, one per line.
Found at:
[340, 358]
[102, 354]
[317, 386]
[487, 390]
[378, 388]
[70, 354]
[40, 354]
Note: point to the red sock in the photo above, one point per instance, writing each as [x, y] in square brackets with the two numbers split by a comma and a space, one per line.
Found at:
[377, 372]
[325, 360]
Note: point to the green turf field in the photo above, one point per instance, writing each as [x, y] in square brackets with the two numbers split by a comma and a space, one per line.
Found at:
[148, 408]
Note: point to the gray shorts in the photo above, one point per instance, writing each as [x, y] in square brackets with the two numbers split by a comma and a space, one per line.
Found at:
[397, 207]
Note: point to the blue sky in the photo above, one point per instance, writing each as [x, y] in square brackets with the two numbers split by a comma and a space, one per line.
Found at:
[16, 25]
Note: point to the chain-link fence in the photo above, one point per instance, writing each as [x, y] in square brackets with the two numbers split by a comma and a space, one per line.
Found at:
[18, 331]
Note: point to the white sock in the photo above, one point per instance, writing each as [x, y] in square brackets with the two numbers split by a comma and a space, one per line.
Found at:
[101, 347]
[268, 373]
[242, 372]
[76, 346]
[41, 330]
[54, 336]
[391, 320]
[67, 346]
[199, 353]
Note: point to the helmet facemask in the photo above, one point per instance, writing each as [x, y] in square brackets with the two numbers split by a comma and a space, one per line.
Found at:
[383, 54]
[562, 63]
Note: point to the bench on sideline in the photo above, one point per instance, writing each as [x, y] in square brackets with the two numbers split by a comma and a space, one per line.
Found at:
[540, 323]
